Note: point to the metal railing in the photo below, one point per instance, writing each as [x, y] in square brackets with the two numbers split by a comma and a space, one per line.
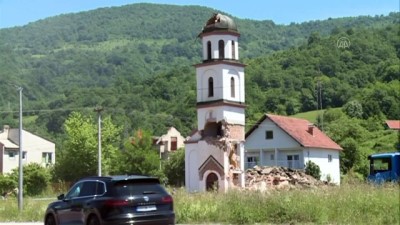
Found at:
[294, 164]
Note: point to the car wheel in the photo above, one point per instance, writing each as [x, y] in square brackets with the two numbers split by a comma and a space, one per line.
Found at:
[94, 220]
[50, 220]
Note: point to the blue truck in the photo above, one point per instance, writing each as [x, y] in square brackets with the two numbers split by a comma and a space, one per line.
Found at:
[384, 167]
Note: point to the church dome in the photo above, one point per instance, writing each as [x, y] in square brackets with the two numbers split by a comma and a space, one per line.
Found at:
[219, 22]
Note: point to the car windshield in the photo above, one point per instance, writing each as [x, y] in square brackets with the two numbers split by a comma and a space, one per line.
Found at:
[133, 187]
[381, 164]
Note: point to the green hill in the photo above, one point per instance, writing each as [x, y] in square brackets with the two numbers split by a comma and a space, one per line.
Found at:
[135, 60]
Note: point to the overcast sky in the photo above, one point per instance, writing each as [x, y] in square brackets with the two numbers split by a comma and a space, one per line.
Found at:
[21, 12]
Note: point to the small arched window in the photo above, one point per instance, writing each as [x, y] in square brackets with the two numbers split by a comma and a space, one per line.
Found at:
[233, 50]
[232, 87]
[209, 50]
[221, 49]
[210, 87]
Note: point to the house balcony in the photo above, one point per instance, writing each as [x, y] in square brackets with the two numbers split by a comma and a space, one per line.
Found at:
[249, 165]
[293, 164]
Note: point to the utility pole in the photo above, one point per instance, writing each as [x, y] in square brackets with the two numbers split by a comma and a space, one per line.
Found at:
[320, 103]
[98, 109]
[20, 179]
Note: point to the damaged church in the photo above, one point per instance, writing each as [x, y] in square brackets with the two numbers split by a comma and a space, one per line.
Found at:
[214, 153]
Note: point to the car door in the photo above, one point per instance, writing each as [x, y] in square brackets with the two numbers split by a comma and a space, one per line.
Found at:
[64, 210]
[72, 211]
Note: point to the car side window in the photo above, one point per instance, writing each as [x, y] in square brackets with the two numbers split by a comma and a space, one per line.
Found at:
[100, 189]
[74, 191]
[88, 189]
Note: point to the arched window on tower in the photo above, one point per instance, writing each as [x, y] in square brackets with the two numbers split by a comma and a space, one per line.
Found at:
[209, 50]
[221, 49]
[233, 50]
[232, 87]
[210, 87]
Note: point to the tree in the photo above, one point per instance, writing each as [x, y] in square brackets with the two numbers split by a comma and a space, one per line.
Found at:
[350, 154]
[79, 154]
[353, 109]
[174, 168]
[138, 155]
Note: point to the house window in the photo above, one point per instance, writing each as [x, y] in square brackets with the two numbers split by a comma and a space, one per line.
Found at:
[329, 158]
[269, 134]
[47, 157]
[24, 155]
[208, 50]
[232, 87]
[221, 50]
[11, 154]
[272, 157]
[251, 161]
[210, 87]
[174, 143]
[233, 49]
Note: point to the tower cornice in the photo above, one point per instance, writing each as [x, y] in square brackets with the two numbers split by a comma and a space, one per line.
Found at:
[220, 102]
[219, 62]
[220, 32]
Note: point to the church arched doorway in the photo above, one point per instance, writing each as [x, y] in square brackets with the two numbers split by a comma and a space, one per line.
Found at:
[212, 182]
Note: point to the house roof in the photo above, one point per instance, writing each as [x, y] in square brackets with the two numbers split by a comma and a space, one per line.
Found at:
[9, 144]
[9, 137]
[393, 124]
[298, 129]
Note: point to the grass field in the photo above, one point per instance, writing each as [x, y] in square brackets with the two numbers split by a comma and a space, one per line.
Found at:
[347, 204]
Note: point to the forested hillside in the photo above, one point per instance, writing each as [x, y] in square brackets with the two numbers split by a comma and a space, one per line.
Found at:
[136, 61]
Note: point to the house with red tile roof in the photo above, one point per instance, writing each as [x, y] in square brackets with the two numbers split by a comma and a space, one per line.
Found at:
[291, 142]
[393, 124]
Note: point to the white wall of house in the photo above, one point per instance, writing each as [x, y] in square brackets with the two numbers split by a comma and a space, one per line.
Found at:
[329, 165]
[37, 150]
[281, 139]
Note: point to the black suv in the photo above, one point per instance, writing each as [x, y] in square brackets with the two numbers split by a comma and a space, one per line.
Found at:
[113, 200]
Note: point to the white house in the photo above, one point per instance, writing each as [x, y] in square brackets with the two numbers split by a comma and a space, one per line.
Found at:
[290, 142]
[35, 149]
[169, 142]
[214, 150]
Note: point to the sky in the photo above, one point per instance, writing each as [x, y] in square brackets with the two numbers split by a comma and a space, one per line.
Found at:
[21, 12]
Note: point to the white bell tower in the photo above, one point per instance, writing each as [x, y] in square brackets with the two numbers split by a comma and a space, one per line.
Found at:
[214, 154]
[220, 78]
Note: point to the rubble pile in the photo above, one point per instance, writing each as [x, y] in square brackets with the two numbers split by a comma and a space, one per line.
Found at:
[265, 178]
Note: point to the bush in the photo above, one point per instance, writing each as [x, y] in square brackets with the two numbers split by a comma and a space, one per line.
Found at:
[7, 184]
[36, 178]
[313, 170]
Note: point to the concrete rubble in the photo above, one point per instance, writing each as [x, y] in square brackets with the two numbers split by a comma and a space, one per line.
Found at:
[263, 178]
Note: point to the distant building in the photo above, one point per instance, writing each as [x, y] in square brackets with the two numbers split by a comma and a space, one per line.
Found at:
[169, 142]
[291, 142]
[35, 149]
[393, 124]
